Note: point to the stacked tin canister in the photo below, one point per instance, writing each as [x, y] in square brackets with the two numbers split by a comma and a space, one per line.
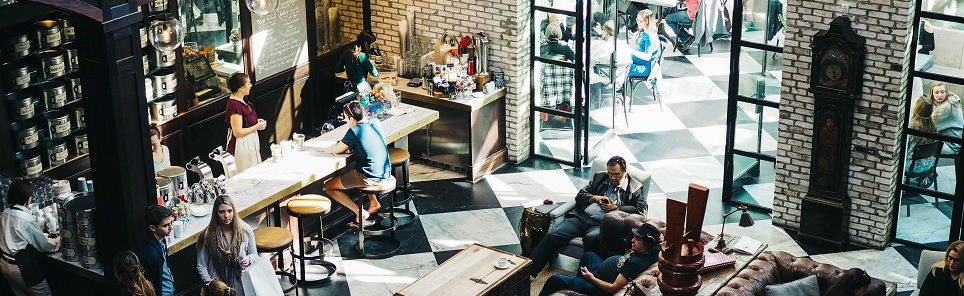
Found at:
[68, 228]
[42, 90]
[77, 229]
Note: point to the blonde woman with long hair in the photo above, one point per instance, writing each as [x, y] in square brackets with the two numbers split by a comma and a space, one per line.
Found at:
[130, 275]
[226, 246]
[945, 277]
[920, 119]
[947, 116]
[644, 44]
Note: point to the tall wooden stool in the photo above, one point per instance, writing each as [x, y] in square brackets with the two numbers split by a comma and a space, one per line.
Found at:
[373, 243]
[306, 207]
[402, 216]
[277, 240]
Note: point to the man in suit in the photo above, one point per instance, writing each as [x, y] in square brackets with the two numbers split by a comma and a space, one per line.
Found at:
[607, 191]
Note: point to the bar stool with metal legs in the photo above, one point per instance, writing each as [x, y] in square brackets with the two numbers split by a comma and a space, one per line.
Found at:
[403, 216]
[373, 243]
[306, 207]
[277, 240]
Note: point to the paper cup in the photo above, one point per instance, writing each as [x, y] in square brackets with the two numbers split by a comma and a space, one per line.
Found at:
[178, 228]
[275, 152]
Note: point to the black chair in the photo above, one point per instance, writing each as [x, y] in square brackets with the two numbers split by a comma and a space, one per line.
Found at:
[395, 215]
[654, 76]
[311, 206]
[373, 243]
[928, 177]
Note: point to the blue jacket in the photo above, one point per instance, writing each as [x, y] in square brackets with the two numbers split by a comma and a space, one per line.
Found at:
[151, 254]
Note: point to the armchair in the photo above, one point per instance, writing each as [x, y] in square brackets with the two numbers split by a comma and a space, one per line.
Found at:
[615, 238]
[575, 247]
[927, 258]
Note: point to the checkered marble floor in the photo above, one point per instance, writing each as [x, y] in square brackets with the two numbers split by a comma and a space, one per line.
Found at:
[681, 144]
[453, 214]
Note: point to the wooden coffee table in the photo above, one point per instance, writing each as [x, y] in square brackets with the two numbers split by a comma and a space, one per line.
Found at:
[472, 272]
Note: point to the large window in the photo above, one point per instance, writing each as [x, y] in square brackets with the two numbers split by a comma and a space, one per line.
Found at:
[930, 206]
[212, 27]
[753, 115]
[574, 77]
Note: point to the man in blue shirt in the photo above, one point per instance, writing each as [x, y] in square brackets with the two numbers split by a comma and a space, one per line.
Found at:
[366, 143]
[153, 249]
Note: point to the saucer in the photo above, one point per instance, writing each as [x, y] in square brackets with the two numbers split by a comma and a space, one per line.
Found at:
[504, 266]
[200, 210]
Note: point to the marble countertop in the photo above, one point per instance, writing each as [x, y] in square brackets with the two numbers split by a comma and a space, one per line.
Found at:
[271, 181]
[420, 94]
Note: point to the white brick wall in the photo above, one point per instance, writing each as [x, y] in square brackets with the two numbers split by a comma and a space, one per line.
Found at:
[878, 118]
[505, 21]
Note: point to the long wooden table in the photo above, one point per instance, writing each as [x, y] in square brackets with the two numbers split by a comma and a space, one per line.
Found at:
[260, 186]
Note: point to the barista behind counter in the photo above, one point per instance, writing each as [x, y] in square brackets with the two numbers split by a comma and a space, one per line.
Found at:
[22, 241]
[356, 64]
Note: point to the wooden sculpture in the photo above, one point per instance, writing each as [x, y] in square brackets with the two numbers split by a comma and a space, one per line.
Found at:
[682, 254]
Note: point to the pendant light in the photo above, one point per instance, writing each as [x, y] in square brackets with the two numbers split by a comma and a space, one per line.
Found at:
[261, 7]
[165, 33]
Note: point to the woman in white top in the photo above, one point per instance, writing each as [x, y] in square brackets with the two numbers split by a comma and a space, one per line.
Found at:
[159, 153]
[226, 246]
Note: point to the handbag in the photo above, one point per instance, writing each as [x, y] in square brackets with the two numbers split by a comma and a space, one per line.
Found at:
[258, 279]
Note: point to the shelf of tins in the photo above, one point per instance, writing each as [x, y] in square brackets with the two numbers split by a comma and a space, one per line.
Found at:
[160, 78]
[43, 97]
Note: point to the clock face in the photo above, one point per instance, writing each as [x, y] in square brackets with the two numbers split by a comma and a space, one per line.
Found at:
[833, 69]
[834, 72]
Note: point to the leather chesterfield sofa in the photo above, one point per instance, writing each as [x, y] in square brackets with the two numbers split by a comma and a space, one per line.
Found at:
[771, 268]
[615, 238]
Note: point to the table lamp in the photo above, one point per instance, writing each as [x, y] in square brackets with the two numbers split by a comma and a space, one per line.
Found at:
[745, 221]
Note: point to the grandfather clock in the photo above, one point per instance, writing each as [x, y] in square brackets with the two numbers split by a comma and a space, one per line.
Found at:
[836, 78]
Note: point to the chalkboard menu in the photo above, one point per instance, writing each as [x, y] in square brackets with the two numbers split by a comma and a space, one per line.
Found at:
[279, 40]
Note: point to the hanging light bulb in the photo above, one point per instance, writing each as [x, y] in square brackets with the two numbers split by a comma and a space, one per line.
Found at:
[166, 34]
[261, 7]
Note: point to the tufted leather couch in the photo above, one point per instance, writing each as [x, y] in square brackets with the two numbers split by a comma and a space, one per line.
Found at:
[770, 268]
[615, 239]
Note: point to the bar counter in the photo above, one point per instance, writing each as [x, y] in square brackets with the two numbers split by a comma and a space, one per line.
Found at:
[269, 182]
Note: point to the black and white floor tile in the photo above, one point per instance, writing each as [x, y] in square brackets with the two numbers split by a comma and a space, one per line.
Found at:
[680, 143]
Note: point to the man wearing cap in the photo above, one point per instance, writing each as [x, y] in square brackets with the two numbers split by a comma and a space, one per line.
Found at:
[605, 277]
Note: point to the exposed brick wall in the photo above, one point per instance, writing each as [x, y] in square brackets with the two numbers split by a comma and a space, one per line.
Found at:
[505, 21]
[349, 17]
[878, 118]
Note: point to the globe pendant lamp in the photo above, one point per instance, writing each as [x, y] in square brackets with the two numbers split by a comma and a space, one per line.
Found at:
[261, 7]
[165, 33]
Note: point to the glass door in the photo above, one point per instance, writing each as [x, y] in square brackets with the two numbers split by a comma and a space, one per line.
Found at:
[929, 196]
[753, 115]
[604, 77]
[558, 85]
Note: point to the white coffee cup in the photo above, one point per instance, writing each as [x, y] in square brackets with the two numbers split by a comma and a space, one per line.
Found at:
[299, 140]
[178, 228]
[276, 152]
[503, 262]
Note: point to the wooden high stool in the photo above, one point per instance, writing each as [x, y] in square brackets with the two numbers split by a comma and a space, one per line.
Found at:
[373, 243]
[277, 240]
[306, 207]
[402, 217]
